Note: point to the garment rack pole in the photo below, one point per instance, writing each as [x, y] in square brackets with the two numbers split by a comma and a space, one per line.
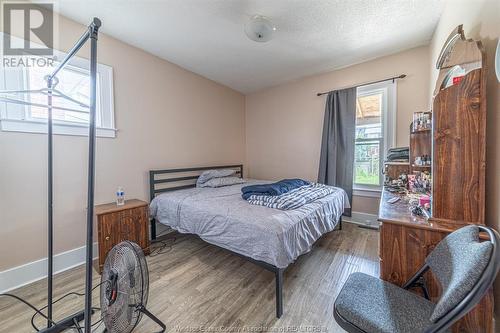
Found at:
[394, 78]
[91, 33]
[78, 45]
[91, 173]
[50, 222]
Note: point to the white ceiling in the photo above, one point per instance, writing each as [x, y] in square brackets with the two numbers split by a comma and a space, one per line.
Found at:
[314, 36]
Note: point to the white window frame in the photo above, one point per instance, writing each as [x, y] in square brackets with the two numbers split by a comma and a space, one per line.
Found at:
[17, 118]
[389, 107]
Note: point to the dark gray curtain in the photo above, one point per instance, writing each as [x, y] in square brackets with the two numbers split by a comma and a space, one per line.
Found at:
[337, 145]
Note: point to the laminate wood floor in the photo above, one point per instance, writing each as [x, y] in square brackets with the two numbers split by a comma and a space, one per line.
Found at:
[196, 287]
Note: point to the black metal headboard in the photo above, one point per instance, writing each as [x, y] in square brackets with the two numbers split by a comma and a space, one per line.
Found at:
[177, 179]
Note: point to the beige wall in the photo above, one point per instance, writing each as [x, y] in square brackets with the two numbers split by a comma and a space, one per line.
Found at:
[368, 205]
[166, 117]
[481, 20]
[284, 123]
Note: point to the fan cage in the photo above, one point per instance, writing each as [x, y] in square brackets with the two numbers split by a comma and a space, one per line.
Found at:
[128, 262]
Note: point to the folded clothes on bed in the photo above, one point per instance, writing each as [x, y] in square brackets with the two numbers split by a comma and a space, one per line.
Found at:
[293, 199]
[273, 189]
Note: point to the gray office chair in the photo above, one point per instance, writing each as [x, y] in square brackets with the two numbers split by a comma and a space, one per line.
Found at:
[465, 268]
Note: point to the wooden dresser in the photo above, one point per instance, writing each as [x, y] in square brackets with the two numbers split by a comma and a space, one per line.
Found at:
[405, 242]
[118, 223]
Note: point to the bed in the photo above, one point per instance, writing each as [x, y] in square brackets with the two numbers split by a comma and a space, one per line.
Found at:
[270, 238]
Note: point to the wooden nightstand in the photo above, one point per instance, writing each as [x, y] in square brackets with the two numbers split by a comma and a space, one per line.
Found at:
[118, 223]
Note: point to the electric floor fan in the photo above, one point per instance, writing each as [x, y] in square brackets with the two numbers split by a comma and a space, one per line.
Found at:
[124, 289]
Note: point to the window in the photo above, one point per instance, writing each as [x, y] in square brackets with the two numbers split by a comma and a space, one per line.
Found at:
[375, 109]
[74, 81]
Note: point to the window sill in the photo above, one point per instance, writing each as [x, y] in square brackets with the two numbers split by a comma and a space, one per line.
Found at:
[29, 126]
[367, 192]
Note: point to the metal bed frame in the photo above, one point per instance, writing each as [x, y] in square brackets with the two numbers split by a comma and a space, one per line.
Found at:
[159, 185]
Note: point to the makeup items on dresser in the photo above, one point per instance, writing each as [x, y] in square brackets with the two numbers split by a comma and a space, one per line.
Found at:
[420, 182]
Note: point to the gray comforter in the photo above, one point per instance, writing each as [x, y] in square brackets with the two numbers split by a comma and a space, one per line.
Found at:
[221, 217]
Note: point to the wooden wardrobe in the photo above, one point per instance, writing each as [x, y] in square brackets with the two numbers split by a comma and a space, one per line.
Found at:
[458, 173]
[459, 130]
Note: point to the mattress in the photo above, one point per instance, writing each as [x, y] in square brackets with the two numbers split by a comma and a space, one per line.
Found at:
[221, 217]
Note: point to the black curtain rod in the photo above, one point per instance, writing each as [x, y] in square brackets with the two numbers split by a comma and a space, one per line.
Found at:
[402, 76]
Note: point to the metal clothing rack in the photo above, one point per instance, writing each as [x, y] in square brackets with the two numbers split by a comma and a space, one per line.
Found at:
[73, 320]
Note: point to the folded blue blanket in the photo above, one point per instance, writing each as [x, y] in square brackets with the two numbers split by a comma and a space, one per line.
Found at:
[278, 188]
[295, 198]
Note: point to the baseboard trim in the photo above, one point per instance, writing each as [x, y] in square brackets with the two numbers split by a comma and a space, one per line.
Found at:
[22, 275]
[362, 218]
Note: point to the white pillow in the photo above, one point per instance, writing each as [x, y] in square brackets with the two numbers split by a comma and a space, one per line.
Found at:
[209, 174]
[222, 181]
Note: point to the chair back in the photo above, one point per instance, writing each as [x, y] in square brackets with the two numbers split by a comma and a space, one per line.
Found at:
[466, 268]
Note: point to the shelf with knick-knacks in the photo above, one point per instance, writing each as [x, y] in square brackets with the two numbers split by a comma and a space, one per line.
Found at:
[421, 142]
[422, 122]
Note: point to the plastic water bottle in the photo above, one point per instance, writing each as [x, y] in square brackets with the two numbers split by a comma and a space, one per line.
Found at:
[120, 196]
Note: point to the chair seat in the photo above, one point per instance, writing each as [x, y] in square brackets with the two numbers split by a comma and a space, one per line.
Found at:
[374, 305]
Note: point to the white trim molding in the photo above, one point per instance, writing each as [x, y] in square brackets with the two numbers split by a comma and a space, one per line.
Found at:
[366, 192]
[362, 219]
[18, 117]
[30, 126]
[19, 276]
[387, 140]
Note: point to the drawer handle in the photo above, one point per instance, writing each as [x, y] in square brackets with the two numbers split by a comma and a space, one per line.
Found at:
[107, 238]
